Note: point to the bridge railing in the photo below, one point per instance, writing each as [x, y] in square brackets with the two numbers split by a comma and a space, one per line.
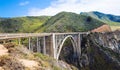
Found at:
[24, 35]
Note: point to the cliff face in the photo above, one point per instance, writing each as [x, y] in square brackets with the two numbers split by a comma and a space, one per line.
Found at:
[100, 51]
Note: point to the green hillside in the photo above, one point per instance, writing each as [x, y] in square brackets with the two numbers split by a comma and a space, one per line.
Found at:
[61, 22]
[21, 24]
[70, 22]
[110, 19]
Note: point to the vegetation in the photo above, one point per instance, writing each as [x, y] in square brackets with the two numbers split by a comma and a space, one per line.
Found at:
[10, 63]
[22, 24]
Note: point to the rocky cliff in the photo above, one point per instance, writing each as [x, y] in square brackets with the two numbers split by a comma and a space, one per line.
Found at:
[100, 51]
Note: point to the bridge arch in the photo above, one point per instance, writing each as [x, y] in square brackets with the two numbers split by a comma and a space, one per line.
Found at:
[62, 43]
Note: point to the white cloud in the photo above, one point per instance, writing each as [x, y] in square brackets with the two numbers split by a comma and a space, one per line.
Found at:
[77, 6]
[24, 3]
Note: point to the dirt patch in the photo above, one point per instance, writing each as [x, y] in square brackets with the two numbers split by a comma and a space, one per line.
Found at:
[1, 68]
[3, 50]
[29, 63]
[103, 28]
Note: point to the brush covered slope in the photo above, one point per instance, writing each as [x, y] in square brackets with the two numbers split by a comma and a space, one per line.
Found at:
[21, 24]
[70, 22]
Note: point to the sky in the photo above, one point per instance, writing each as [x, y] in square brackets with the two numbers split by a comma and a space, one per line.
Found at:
[19, 8]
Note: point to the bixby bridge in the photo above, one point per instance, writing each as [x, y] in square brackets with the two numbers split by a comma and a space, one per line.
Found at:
[47, 43]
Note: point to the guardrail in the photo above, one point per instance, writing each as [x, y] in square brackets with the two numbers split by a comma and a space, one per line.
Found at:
[24, 35]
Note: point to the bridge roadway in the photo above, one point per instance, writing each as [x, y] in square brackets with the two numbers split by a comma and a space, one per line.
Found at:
[25, 35]
[48, 43]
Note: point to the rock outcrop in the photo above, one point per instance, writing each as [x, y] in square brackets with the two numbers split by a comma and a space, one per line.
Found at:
[100, 51]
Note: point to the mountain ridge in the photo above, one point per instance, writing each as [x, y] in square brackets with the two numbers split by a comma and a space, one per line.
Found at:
[108, 18]
[61, 22]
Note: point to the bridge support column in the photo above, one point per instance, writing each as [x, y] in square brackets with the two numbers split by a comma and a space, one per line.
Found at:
[29, 46]
[19, 39]
[44, 45]
[54, 48]
[79, 45]
[38, 45]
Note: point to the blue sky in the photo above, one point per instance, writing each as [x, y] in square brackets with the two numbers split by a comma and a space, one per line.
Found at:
[14, 8]
[17, 8]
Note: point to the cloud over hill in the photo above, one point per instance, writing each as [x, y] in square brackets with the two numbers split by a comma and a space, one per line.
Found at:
[77, 6]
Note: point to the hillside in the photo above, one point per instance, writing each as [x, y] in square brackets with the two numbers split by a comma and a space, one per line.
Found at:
[70, 22]
[61, 22]
[107, 18]
[18, 57]
[112, 20]
[21, 24]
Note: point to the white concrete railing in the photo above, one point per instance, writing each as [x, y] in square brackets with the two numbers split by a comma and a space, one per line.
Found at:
[24, 35]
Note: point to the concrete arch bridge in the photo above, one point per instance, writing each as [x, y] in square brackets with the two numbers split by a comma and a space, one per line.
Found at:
[48, 43]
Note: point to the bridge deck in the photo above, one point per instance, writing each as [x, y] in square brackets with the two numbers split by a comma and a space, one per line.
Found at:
[24, 35]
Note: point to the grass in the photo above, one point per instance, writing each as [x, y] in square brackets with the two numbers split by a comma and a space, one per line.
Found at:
[115, 27]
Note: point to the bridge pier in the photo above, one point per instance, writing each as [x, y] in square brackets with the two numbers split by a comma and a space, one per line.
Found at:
[38, 45]
[79, 45]
[54, 46]
[19, 41]
[29, 46]
[44, 45]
